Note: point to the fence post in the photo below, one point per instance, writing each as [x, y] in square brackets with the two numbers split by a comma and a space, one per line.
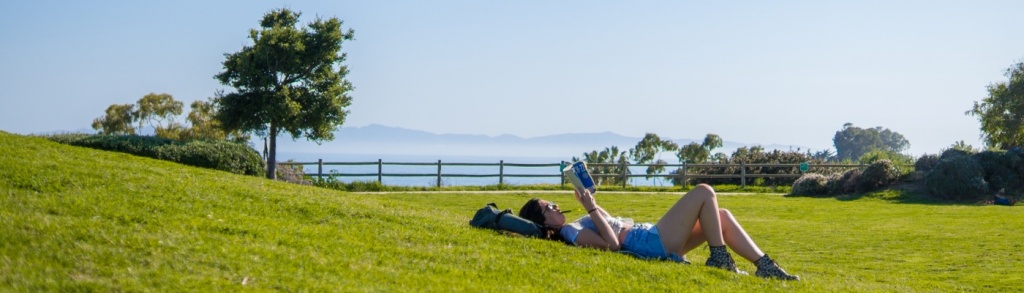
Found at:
[380, 171]
[683, 174]
[561, 174]
[501, 172]
[438, 173]
[625, 172]
[319, 169]
[743, 175]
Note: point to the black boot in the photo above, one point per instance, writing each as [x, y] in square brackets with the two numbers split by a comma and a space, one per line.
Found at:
[767, 268]
[720, 258]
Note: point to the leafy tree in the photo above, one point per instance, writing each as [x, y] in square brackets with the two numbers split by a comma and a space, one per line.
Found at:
[823, 155]
[852, 142]
[700, 153]
[1002, 113]
[964, 147]
[118, 120]
[157, 109]
[648, 148]
[711, 142]
[289, 80]
[692, 153]
[742, 153]
[202, 117]
[610, 155]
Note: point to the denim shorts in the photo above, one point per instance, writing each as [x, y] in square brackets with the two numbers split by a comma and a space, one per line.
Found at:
[644, 242]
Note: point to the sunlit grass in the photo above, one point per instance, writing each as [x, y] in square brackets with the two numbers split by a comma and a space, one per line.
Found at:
[75, 219]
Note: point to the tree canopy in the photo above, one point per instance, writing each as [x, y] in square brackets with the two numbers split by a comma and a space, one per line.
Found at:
[1002, 113]
[647, 150]
[291, 79]
[851, 142]
[160, 111]
[700, 153]
[117, 120]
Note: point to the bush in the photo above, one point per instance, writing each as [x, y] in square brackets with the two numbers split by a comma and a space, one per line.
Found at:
[214, 154]
[833, 185]
[926, 162]
[952, 153]
[844, 183]
[878, 155]
[810, 184]
[292, 174]
[957, 177]
[879, 174]
[354, 186]
[1000, 169]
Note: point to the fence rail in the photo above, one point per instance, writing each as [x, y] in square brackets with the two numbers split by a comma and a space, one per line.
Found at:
[501, 175]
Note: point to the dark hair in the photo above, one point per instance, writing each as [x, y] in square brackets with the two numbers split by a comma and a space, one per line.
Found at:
[534, 212]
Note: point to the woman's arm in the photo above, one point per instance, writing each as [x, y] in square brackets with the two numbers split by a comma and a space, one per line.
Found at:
[605, 237]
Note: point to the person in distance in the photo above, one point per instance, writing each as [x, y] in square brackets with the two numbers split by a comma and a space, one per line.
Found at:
[691, 221]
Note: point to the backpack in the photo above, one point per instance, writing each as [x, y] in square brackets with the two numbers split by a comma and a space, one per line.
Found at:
[489, 217]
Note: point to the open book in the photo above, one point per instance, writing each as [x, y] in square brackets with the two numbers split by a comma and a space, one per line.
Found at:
[580, 177]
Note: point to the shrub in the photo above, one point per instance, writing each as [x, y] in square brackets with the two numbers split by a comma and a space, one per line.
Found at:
[957, 177]
[951, 153]
[879, 174]
[926, 162]
[810, 184]
[1000, 169]
[214, 154]
[834, 184]
[844, 183]
[292, 174]
[878, 155]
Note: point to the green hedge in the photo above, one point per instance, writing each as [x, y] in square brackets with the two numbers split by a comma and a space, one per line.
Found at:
[214, 154]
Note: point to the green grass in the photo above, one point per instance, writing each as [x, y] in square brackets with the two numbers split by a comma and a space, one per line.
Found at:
[76, 219]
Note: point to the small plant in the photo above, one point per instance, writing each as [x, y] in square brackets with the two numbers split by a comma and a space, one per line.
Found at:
[759, 181]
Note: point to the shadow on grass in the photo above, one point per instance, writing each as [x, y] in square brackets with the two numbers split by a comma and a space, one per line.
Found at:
[907, 193]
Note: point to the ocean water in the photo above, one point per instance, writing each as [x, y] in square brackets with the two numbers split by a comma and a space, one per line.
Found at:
[431, 180]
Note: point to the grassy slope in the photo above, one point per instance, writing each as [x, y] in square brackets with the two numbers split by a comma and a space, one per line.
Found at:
[78, 219]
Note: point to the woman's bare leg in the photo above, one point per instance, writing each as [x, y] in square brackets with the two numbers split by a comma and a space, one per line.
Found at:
[677, 224]
[734, 235]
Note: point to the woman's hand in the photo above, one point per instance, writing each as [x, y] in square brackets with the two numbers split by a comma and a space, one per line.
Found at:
[586, 199]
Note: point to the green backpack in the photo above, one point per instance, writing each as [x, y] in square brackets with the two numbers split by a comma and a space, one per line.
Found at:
[489, 217]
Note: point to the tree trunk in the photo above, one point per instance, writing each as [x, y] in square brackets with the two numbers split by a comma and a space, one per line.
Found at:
[272, 155]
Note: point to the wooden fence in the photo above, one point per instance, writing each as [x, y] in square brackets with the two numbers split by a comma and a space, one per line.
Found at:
[624, 175]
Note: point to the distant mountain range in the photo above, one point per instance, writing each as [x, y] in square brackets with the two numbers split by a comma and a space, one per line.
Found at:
[376, 139]
[380, 139]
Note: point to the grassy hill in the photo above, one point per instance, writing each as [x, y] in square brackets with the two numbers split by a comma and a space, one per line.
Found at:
[76, 219]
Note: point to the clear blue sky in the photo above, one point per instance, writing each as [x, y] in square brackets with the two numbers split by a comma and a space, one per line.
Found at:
[786, 72]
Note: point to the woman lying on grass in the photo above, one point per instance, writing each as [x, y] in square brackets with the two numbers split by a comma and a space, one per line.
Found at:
[694, 219]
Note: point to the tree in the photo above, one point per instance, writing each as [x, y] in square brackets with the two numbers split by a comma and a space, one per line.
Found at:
[202, 117]
[648, 148]
[700, 153]
[289, 80]
[1002, 113]
[852, 142]
[610, 155]
[157, 109]
[118, 120]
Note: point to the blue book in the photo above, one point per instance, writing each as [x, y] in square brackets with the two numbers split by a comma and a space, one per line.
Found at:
[580, 177]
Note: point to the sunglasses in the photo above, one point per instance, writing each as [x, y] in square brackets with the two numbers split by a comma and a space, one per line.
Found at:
[550, 207]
